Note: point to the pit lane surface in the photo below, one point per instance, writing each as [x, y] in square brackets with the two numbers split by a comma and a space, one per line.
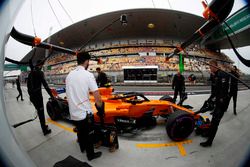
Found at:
[146, 148]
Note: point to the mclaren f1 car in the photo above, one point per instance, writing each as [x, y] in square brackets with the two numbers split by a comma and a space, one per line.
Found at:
[132, 110]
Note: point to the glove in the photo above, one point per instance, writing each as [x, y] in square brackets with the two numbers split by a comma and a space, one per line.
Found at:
[207, 106]
[100, 110]
[52, 98]
[197, 112]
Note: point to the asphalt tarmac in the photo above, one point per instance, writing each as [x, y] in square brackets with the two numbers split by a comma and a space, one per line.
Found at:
[146, 148]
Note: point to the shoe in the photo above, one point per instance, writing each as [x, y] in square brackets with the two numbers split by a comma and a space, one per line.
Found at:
[22, 99]
[206, 144]
[82, 150]
[16, 98]
[235, 113]
[113, 148]
[75, 129]
[94, 156]
[46, 131]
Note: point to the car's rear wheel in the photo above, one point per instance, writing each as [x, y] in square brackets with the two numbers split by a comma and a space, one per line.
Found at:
[180, 125]
[51, 110]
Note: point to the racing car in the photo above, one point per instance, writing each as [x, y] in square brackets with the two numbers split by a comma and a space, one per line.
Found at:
[132, 110]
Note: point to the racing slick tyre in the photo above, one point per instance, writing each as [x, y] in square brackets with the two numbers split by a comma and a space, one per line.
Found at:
[180, 125]
[52, 112]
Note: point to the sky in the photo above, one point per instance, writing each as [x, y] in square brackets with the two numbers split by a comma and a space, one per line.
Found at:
[36, 17]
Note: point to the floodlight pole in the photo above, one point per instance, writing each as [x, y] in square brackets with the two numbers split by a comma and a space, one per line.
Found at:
[48, 41]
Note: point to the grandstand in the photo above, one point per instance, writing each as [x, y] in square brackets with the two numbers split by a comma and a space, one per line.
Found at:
[113, 61]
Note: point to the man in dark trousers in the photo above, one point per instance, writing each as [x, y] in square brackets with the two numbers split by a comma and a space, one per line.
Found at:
[34, 84]
[79, 83]
[102, 79]
[18, 86]
[234, 87]
[178, 84]
[219, 97]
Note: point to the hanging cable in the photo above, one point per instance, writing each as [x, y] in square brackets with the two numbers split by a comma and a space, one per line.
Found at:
[153, 3]
[237, 40]
[54, 14]
[231, 75]
[243, 60]
[96, 34]
[66, 11]
[178, 34]
[234, 35]
[229, 28]
[169, 5]
[122, 19]
[32, 18]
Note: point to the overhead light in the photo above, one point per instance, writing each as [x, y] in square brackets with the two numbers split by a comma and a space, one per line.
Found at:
[61, 43]
[151, 25]
[123, 19]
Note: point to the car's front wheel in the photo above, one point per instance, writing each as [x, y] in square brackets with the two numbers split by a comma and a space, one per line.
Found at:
[180, 125]
[52, 111]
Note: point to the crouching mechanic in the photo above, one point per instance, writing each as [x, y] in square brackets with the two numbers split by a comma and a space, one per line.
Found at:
[78, 84]
[219, 98]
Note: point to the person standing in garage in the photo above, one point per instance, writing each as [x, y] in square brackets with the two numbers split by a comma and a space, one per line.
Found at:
[234, 87]
[79, 83]
[18, 86]
[178, 85]
[101, 79]
[34, 84]
[219, 97]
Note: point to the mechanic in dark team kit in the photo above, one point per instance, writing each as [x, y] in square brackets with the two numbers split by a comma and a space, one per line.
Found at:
[234, 87]
[178, 85]
[34, 84]
[219, 97]
[101, 79]
[18, 86]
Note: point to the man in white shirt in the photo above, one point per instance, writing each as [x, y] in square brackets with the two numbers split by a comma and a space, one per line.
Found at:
[79, 83]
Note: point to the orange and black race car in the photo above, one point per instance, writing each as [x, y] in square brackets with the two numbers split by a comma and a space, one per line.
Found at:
[132, 110]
